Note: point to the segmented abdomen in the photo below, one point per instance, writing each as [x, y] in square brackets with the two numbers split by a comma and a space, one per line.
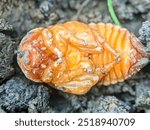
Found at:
[119, 39]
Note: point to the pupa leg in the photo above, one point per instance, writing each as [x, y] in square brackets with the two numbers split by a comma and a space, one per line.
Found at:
[79, 80]
[106, 46]
[84, 45]
[80, 85]
[103, 70]
[110, 49]
[48, 41]
[96, 48]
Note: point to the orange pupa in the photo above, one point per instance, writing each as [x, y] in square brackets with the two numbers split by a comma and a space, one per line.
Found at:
[74, 56]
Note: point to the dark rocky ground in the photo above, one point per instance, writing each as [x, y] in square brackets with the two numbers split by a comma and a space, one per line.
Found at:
[18, 94]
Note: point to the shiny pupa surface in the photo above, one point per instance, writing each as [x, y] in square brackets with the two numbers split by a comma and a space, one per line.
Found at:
[74, 56]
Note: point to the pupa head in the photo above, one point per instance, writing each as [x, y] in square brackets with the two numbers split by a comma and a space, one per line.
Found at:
[31, 55]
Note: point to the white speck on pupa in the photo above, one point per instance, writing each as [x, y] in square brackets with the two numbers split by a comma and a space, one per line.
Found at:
[34, 42]
[26, 60]
[43, 66]
[59, 54]
[95, 78]
[98, 49]
[34, 71]
[43, 48]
